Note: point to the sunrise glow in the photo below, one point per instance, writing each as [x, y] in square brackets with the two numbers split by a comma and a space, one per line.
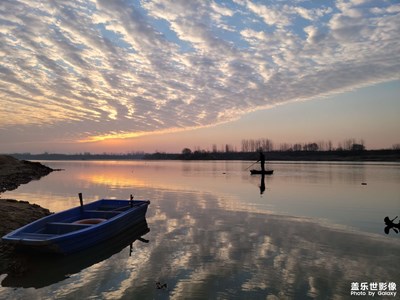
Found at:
[90, 71]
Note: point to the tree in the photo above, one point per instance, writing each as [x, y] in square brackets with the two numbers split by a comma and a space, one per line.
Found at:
[245, 145]
[297, 147]
[357, 147]
[285, 147]
[347, 144]
[266, 145]
[228, 148]
[329, 145]
[310, 147]
[186, 151]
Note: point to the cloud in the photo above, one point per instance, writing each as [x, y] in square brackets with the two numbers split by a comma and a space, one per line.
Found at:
[89, 69]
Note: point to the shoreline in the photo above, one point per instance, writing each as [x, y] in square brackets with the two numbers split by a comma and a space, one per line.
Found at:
[17, 213]
[14, 172]
[389, 155]
[277, 156]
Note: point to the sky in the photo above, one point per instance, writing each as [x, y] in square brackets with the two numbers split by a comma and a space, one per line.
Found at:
[127, 75]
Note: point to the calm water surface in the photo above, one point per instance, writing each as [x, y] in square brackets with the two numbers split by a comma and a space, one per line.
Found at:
[307, 232]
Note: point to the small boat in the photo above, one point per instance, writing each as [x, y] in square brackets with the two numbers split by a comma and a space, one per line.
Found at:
[265, 172]
[81, 227]
[43, 269]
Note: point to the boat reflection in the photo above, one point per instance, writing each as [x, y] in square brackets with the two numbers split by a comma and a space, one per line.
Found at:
[39, 270]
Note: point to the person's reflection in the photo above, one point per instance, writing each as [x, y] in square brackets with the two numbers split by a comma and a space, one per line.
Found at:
[262, 184]
[391, 225]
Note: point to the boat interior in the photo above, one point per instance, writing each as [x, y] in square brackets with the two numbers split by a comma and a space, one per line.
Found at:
[70, 222]
[83, 220]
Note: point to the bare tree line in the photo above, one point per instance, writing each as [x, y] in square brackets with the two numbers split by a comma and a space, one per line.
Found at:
[266, 145]
[252, 145]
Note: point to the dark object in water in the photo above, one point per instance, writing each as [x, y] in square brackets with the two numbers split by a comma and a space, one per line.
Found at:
[160, 286]
[391, 225]
[266, 172]
[61, 233]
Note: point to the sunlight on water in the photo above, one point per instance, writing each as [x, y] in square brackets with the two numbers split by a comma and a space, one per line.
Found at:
[312, 232]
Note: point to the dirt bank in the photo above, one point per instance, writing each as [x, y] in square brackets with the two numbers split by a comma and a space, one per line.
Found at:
[14, 172]
[13, 213]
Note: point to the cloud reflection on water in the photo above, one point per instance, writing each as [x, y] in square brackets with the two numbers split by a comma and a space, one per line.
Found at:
[216, 242]
[244, 254]
[205, 253]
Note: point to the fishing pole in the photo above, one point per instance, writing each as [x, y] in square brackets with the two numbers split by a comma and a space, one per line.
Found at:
[251, 165]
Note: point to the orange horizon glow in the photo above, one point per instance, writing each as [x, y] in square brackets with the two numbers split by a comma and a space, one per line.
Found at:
[131, 135]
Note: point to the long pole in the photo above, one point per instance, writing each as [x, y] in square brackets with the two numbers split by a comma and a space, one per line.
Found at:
[251, 165]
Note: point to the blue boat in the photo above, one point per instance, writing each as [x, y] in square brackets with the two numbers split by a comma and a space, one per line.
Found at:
[44, 269]
[81, 227]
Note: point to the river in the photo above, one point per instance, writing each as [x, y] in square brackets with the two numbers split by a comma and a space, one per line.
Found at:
[309, 231]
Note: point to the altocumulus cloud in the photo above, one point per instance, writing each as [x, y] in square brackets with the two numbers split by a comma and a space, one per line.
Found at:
[121, 68]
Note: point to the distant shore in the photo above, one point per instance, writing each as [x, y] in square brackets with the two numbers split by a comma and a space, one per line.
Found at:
[339, 156]
[353, 156]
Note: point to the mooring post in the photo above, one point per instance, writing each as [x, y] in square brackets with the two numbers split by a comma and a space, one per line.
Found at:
[81, 200]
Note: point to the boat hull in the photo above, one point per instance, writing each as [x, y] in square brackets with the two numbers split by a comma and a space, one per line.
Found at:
[62, 232]
[44, 269]
[266, 172]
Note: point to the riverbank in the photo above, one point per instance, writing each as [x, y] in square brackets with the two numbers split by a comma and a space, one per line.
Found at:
[14, 172]
[14, 213]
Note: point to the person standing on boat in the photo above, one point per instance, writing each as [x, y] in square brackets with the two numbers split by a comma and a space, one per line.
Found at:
[262, 161]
